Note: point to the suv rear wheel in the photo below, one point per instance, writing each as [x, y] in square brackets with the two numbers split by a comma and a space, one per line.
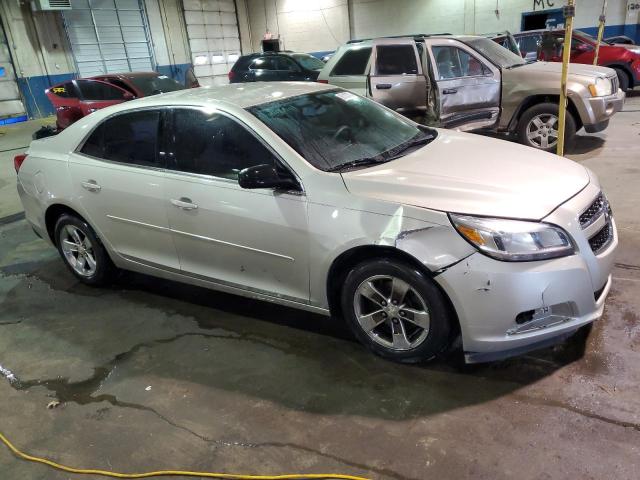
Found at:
[396, 311]
[538, 127]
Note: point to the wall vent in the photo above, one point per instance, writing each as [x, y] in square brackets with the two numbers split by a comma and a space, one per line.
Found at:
[50, 5]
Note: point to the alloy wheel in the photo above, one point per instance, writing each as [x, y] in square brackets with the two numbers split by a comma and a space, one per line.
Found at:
[78, 250]
[391, 312]
[542, 130]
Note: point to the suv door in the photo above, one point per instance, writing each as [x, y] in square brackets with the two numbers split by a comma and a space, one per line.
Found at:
[468, 85]
[252, 239]
[96, 94]
[349, 68]
[397, 79]
[117, 175]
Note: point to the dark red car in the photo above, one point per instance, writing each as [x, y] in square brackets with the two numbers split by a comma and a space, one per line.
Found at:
[76, 98]
[622, 59]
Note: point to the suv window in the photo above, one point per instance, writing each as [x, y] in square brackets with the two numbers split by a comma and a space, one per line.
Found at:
[528, 43]
[213, 144]
[287, 64]
[353, 62]
[396, 60]
[96, 90]
[127, 138]
[264, 63]
[66, 90]
[453, 62]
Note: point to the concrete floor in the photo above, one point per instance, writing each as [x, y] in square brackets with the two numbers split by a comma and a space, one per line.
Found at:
[152, 375]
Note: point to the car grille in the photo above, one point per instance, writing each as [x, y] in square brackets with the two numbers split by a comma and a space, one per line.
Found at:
[592, 213]
[614, 84]
[601, 239]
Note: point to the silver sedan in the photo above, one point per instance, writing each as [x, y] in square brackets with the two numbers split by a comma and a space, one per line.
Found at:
[316, 198]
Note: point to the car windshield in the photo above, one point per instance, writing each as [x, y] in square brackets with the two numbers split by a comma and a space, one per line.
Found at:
[152, 85]
[336, 130]
[500, 56]
[308, 61]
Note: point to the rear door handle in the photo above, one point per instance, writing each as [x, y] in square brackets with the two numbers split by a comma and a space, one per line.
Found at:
[449, 91]
[184, 203]
[383, 86]
[91, 185]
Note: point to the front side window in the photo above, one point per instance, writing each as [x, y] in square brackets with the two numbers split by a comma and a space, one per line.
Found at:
[353, 62]
[213, 144]
[129, 138]
[152, 85]
[308, 61]
[95, 90]
[454, 62]
[287, 64]
[332, 129]
[396, 60]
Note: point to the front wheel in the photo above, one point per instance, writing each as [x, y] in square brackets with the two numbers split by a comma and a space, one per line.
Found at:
[396, 311]
[538, 127]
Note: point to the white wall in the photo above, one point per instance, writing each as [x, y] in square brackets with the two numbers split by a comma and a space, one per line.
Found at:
[168, 32]
[302, 25]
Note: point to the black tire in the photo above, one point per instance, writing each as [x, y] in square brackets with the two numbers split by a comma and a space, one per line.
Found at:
[544, 110]
[623, 79]
[104, 269]
[434, 339]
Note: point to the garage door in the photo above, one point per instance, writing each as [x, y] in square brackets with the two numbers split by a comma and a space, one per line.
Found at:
[212, 27]
[108, 36]
[11, 106]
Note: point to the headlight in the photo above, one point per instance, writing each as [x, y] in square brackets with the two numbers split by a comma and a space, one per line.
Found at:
[513, 240]
[601, 88]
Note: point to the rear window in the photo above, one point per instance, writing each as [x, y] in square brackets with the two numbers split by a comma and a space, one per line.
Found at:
[396, 60]
[353, 62]
[66, 90]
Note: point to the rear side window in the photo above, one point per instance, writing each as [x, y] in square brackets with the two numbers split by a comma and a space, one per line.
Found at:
[66, 90]
[264, 63]
[94, 90]
[396, 60]
[129, 138]
[212, 144]
[353, 62]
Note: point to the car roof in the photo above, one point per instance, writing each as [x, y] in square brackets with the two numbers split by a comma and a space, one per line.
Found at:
[126, 75]
[417, 37]
[240, 95]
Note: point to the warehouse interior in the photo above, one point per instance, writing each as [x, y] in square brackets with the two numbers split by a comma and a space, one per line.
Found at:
[149, 374]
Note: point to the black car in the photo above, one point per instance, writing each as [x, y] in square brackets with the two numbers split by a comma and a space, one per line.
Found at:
[275, 66]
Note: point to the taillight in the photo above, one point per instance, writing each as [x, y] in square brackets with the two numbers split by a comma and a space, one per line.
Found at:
[322, 81]
[18, 160]
[232, 75]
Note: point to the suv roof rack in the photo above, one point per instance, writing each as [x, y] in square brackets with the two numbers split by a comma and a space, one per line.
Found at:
[416, 36]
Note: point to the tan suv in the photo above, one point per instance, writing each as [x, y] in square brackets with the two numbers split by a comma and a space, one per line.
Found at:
[470, 82]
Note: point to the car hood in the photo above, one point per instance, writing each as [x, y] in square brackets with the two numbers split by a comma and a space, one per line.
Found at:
[472, 174]
[556, 68]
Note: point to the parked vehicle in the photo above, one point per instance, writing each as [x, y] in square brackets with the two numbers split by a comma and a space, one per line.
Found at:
[624, 59]
[76, 98]
[470, 82]
[620, 40]
[310, 196]
[275, 66]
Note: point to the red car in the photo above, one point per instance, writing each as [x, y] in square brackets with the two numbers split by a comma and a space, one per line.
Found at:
[624, 60]
[76, 98]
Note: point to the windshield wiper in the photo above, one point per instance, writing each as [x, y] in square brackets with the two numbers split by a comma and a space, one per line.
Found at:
[361, 162]
[396, 152]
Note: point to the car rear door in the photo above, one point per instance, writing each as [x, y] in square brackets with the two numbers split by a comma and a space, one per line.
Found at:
[253, 239]
[468, 85]
[96, 94]
[397, 79]
[117, 176]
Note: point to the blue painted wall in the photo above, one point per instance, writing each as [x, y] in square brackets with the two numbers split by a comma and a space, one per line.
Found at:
[631, 31]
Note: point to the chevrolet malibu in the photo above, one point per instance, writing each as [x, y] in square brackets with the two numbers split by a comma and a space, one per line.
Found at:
[316, 198]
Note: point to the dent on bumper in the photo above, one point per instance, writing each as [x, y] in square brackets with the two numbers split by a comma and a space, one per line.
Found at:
[601, 109]
[488, 295]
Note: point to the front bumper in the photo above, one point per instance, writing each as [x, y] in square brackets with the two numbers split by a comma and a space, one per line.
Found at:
[598, 110]
[508, 308]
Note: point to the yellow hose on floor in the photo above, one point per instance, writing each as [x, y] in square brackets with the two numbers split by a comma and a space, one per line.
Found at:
[173, 473]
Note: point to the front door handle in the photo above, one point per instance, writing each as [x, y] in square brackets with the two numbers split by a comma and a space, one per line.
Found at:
[91, 185]
[449, 91]
[383, 86]
[184, 203]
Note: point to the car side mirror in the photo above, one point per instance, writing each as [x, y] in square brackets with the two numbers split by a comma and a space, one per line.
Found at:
[582, 47]
[267, 176]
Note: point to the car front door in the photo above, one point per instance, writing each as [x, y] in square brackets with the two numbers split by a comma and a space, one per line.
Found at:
[468, 85]
[397, 80]
[118, 177]
[96, 94]
[252, 239]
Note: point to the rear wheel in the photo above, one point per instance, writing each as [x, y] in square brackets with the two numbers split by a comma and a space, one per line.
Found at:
[623, 79]
[538, 127]
[396, 311]
[82, 252]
